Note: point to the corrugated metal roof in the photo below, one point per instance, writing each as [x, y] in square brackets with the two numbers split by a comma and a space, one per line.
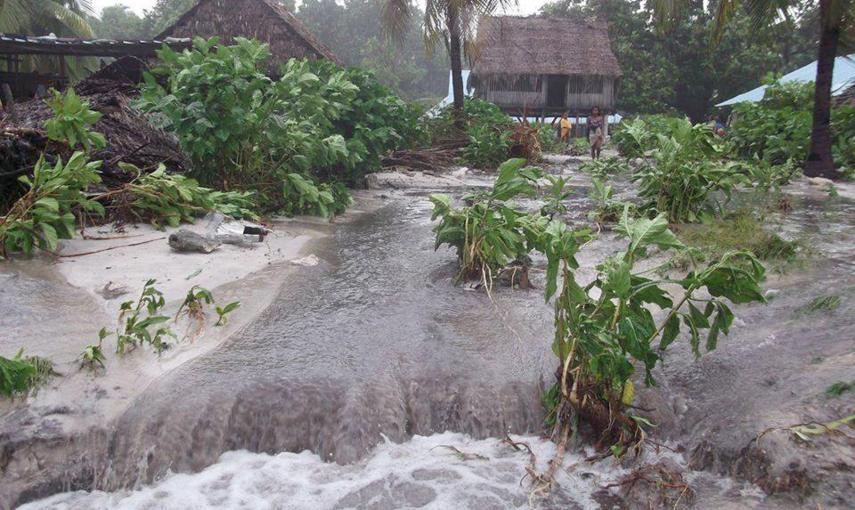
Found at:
[843, 77]
[50, 44]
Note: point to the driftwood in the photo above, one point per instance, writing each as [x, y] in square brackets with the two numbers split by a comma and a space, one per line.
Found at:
[430, 158]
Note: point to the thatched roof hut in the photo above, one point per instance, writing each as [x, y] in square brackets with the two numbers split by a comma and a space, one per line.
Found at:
[265, 20]
[544, 64]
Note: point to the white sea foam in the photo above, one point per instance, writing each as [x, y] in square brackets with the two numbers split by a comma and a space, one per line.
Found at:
[442, 471]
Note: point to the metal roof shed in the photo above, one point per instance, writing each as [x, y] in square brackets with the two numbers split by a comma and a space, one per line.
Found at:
[843, 78]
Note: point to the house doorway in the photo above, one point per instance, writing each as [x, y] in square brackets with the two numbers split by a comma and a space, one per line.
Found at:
[556, 91]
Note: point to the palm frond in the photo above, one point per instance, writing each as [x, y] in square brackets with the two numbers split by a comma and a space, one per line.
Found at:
[396, 16]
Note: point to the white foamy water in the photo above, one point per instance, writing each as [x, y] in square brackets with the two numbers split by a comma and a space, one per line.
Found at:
[423, 472]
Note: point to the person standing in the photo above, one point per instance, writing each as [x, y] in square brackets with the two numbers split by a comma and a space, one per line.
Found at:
[595, 132]
[565, 126]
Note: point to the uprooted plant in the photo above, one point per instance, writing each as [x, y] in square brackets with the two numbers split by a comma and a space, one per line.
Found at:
[170, 199]
[45, 213]
[489, 233]
[603, 328]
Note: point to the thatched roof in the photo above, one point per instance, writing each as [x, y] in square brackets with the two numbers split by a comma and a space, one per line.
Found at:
[516, 45]
[265, 20]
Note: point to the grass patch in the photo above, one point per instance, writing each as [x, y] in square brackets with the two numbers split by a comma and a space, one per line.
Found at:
[839, 388]
[738, 231]
[821, 304]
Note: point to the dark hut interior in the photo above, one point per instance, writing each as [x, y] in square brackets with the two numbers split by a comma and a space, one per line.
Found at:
[23, 84]
[544, 65]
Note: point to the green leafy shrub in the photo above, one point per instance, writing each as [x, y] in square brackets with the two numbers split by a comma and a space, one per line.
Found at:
[685, 173]
[603, 328]
[777, 129]
[606, 209]
[579, 147]
[489, 233]
[45, 213]
[488, 131]
[72, 120]
[303, 196]
[246, 131]
[634, 137]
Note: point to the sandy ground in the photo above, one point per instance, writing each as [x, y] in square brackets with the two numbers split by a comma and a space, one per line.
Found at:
[54, 307]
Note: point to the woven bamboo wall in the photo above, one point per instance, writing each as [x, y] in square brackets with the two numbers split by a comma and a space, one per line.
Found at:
[578, 98]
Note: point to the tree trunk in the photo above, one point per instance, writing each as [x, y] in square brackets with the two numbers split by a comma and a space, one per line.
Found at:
[456, 54]
[819, 161]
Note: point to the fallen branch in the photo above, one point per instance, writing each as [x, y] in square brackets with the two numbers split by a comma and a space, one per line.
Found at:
[108, 249]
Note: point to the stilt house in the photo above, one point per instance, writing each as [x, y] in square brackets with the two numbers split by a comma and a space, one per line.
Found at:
[545, 65]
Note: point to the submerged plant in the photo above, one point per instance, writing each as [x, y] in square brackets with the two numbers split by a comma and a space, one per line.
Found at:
[223, 313]
[603, 328]
[21, 374]
[92, 356]
[141, 322]
[490, 233]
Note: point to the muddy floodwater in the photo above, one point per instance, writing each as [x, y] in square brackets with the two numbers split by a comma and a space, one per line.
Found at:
[371, 381]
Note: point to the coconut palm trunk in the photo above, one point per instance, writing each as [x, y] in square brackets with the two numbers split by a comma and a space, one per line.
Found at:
[820, 162]
[455, 52]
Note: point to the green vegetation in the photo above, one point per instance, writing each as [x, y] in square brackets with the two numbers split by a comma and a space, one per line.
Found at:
[137, 319]
[490, 233]
[684, 179]
[603, 327]
[45, 213]
[164, 199]
[839, 388]
[21, 374]
[820, 304]
[602, 168]
[740, 230]
[607, 210]
[245, 131]
[72, 121]
[487, 128]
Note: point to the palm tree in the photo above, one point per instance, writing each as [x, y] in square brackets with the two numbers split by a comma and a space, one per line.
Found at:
[41, 17]
[451, 21]
[836, 22]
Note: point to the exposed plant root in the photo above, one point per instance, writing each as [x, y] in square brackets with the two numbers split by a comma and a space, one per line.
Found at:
[665, 486]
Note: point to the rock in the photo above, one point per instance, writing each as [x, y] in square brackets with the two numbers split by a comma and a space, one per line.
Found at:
[187, 241]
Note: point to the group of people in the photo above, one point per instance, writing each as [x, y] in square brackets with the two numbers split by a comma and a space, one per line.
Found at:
[596, 127]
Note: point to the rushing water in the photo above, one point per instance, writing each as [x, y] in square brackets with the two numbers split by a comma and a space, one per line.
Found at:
[375, 347]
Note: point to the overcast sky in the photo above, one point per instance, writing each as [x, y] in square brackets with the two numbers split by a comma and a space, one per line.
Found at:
[525, 6]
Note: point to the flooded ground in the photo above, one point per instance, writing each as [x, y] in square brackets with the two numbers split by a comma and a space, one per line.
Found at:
[375, 346]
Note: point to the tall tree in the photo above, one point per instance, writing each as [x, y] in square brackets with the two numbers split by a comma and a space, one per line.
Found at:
[118, 22]
[835, 19]
[451, 21]
[352, 30]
